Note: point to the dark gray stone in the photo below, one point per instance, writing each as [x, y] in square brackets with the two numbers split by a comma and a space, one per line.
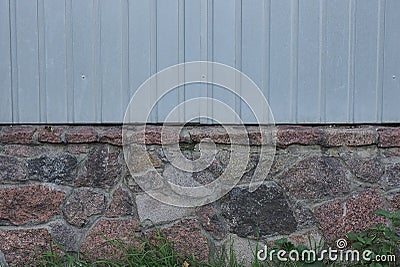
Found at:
[316, 177]
[101, 168]
[368, 170]
[204, 177]
[223, 156]
[304, 216]
[284, 159]
[121, 204]
[11, 170]
[65, 235]
[392, 174]
[262, 212]
[60, 169]
[81, 205]
[3, 262]
[216, 168]
[250, 168]
[211, 221]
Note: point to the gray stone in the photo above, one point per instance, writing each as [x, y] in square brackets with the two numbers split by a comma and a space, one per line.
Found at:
[283, 160]
[81, 205]
[121, 204]
[101, 168]
[179, 177]
[157, 212]
[60, 169]
[216, 168]
[137, 159]
[204, 177]
[223, 156]
[316, 177]
[244, 249]
[23, 151]
[11, 170]
[211, 221]
[304, 216]
[131, 184]
[3, 262]
[262, 212]
[392, 174]
[368, 170]
[65, 235]
[151, 180]
[250, 168]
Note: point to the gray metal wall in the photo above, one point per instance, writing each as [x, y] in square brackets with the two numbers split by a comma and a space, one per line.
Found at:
[317, 61]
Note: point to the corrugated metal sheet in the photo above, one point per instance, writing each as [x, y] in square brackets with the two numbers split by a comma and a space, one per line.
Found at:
[317, 61]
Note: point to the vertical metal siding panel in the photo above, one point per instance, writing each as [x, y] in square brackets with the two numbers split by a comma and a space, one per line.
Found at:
[280, 94]
[140, 41]
[308, 62]
[206, 32]
[124, 58]
[208, 48]
[365, 61]
[27, 61]
[266, 53]
[336, 61]
[238, 57]
[14, 65]
[181, 57]
[192, 49]
[69, 60]
[318, 61]
[167, 50]
[391, 78]
[322, 61]
[41, 27]
[5, 66]
[97, 64]
[351, 61]
[379, 59]
[84, 41]
[54, 56]
[294, 53]
[224, 51]
[111, 60]
[253, 46]
[153, 117]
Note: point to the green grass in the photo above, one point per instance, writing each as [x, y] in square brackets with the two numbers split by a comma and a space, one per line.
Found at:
[157, 251]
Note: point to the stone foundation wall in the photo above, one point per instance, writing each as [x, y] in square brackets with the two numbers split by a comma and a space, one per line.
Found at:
[70, 184]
